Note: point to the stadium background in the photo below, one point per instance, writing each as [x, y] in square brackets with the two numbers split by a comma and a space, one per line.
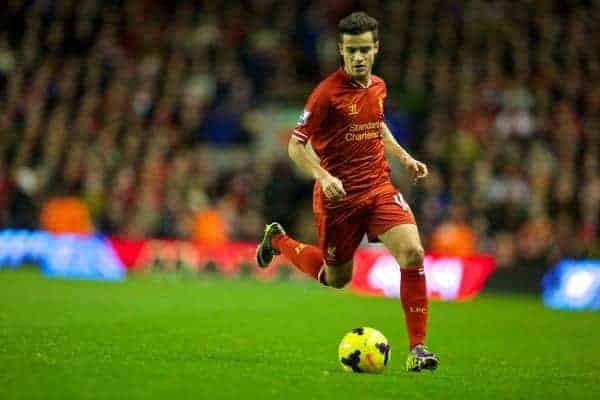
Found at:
[145, 119]
[171, 120]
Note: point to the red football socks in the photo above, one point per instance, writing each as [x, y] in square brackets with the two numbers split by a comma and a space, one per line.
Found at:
[413, 294]
[307, 258]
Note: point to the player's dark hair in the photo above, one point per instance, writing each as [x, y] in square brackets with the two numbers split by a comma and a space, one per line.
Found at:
[357, 23]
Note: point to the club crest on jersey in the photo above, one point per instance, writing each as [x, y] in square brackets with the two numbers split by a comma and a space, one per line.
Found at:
[303, 118]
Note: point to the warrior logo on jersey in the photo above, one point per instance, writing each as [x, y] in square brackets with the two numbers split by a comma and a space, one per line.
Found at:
[303, 118]
[353, 109]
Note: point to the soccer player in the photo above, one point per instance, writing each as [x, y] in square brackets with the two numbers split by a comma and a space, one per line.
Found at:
[353, 194]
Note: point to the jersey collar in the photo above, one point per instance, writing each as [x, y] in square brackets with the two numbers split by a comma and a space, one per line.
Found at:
[353, 82]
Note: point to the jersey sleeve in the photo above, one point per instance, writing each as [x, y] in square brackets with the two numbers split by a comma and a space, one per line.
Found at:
[313, 116]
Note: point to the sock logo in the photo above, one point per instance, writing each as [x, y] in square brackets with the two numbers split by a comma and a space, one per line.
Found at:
[422, 310]
[298, 249]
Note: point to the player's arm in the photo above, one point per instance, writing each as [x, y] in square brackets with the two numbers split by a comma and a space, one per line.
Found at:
[416, 168]
[312, 122]
[308, 161]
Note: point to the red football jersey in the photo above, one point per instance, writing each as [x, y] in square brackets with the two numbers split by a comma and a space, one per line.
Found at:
[344, 122]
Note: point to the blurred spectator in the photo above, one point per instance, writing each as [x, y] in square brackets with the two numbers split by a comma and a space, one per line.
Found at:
[20, 199]
[149, 112]
[210, 228]
[66, 215]
[454, 237]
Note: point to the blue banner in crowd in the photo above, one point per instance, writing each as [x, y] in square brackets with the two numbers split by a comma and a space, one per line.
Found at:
[573, 284]
[68, 255]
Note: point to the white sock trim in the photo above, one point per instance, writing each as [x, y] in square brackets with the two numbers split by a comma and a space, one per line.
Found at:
[320, 274]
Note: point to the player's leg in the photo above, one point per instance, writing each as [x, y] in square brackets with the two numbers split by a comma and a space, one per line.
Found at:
[307, 258]
[404, 244]
[330, 263]
[339, 233]
[393, 222]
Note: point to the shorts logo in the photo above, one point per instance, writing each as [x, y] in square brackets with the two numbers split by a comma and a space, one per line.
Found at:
[303, 118]
[401, 202]
[331, 252]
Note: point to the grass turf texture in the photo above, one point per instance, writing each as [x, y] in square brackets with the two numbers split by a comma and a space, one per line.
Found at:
[170, 337]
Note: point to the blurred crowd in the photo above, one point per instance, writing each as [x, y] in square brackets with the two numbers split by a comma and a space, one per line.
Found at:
[171, 119]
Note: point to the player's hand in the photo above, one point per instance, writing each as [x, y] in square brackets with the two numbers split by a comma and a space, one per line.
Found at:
[417, 169]
[332, 188]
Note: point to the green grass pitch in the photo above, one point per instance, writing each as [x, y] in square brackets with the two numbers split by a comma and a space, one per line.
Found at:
[158, 337]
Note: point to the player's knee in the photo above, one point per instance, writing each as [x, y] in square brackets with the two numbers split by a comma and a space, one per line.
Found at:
[414, 256]
[338, 277]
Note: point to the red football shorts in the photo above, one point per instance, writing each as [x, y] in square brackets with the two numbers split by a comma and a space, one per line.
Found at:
[341, 226]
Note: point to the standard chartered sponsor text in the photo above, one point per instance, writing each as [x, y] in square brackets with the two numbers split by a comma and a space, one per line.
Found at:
[367, 126]
[369, 130]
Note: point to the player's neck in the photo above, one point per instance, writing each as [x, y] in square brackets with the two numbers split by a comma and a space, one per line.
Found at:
[362, 81]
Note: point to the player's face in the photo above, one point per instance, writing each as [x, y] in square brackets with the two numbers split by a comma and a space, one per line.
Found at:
[359, 53]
